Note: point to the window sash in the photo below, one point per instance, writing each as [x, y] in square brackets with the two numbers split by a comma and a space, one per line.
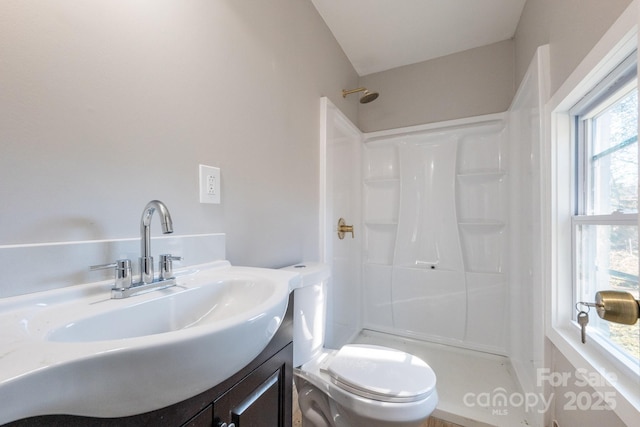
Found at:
[579, 222]
[615, 218]
[615, 87]
[615, 148]
[585, 158]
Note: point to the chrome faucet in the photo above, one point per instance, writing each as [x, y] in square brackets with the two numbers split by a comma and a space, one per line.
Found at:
[123, 286]
[146, 260]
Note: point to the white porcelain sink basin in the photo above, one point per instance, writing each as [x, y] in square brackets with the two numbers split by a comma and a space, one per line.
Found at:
[196, 306]
[86, 354]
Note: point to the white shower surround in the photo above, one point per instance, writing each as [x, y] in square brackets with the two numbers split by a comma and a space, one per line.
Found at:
[430, 208]
[436, 232]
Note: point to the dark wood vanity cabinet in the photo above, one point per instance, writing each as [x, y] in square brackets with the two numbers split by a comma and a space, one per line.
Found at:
[257, 396]
[261, 399]
[203, 419]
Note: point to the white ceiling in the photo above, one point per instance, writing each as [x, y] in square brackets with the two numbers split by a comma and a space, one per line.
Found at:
[378, 35]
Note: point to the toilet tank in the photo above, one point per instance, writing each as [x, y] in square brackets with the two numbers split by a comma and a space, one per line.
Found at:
[309, 310]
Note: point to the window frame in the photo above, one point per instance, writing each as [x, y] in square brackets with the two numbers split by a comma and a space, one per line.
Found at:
[622, 79]
[558, 182]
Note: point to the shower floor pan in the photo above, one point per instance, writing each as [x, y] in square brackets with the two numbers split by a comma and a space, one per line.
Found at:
[465, 379]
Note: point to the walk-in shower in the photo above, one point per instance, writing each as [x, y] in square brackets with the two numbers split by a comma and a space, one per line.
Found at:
[446, 254]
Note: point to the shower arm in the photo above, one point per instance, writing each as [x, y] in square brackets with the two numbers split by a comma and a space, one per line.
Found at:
[346, 92]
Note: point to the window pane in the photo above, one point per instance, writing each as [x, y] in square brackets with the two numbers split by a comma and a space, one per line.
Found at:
[608, 260]
[614, 158]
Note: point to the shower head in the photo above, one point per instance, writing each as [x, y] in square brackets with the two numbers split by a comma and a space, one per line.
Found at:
[366, 96]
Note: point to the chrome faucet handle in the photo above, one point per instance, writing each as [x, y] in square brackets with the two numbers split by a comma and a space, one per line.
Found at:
[166, 266]
[122, 272]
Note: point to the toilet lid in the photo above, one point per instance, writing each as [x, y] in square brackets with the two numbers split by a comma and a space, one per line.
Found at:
[381, 373]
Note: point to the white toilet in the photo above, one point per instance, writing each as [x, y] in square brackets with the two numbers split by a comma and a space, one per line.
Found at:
[357, 385]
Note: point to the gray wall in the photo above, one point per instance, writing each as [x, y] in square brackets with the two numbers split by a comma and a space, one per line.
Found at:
[105, 105]
[470, 83]
[565, 409]
[483, 80]
[570, 27]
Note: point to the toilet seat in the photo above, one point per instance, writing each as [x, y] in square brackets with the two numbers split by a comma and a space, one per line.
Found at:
[380, 373]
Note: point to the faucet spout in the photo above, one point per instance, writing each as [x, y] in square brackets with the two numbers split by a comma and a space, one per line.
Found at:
[146, 260]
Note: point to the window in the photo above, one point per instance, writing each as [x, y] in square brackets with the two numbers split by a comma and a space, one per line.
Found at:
[606, 203]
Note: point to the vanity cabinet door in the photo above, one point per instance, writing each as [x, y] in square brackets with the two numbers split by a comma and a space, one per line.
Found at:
[203, 419]
[261, 407]
[261, 399]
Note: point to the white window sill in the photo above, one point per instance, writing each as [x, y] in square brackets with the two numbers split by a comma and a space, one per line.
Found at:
[607, 376]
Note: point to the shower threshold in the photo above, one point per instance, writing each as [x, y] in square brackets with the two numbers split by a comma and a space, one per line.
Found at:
[465, 380]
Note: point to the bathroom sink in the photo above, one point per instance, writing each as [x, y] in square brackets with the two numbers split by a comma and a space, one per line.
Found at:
[87, 354]
[193, 307]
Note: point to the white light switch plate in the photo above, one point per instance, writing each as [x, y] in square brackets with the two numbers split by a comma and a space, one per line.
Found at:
[209, 184]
